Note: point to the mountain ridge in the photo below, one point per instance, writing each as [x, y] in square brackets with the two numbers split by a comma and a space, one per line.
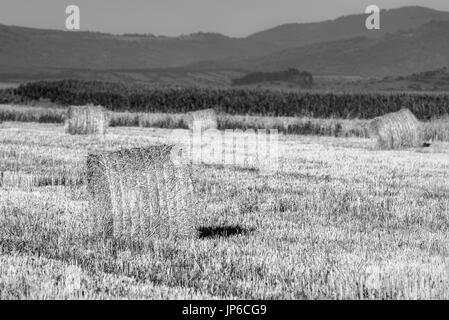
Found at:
[392, 20]
[354, 52]
[399, 53]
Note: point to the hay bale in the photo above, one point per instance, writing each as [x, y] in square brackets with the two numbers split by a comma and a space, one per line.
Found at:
[397, 130]
[87, 120]
[202, 120]
[139, 194]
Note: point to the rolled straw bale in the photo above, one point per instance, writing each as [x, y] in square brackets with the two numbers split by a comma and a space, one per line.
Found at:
[397, 130]
[202, 119]
[139, 194]
[87, 120]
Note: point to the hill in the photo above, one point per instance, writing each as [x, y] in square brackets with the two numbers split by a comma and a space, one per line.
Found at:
[301, 34]
[35, 49]
[412, 39]
[400, 53]
[432, 80]
[293, 76]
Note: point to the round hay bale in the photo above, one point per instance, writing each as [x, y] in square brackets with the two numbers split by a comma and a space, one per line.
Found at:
[397, 130]
[202, 119]
[87, 120]
[139, 194]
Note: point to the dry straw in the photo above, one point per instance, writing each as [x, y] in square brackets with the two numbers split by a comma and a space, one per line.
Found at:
[397, 130]
[202, 119]
[140, 194]
[87, 120]
[437, 129]
[17, 180]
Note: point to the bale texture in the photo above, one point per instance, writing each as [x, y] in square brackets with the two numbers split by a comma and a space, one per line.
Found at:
[139, 194]
[87, 120]
[397, 130]
[202, 120]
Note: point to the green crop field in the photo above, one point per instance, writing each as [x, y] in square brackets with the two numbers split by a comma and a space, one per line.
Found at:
[340, 219]
[121, 97]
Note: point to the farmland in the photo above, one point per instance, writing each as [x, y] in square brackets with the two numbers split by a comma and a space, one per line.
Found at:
[339, 220]
[120, 97]
[436, 129]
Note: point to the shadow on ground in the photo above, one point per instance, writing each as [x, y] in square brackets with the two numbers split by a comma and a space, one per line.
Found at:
[223, 231]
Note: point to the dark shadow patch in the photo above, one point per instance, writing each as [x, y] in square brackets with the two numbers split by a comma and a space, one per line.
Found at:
[235, 167]
[436, 192]
[223, 231]
[46, 181]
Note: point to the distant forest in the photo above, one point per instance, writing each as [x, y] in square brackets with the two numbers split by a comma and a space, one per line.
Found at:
[303, 79]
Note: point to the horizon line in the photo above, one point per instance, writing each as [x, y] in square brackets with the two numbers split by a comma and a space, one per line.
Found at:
[149, 34]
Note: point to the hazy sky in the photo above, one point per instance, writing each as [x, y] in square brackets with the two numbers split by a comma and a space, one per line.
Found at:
[174, 17]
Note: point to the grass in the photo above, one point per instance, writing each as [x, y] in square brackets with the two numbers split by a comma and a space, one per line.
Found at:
[32, 114]
[437, 129]
[340, 220]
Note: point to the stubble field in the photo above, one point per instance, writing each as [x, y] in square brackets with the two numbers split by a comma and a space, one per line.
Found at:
[339, 220]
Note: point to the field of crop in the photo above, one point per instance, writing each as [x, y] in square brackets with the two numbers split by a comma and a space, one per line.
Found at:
[339, 220]
[436, 129]
[121, 97]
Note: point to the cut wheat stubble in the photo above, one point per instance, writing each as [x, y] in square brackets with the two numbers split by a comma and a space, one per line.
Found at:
[140, 194]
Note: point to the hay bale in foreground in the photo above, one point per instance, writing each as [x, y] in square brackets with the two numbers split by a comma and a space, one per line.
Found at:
[139, 194]
[397, 130]
[202, 119]
[87, 120]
